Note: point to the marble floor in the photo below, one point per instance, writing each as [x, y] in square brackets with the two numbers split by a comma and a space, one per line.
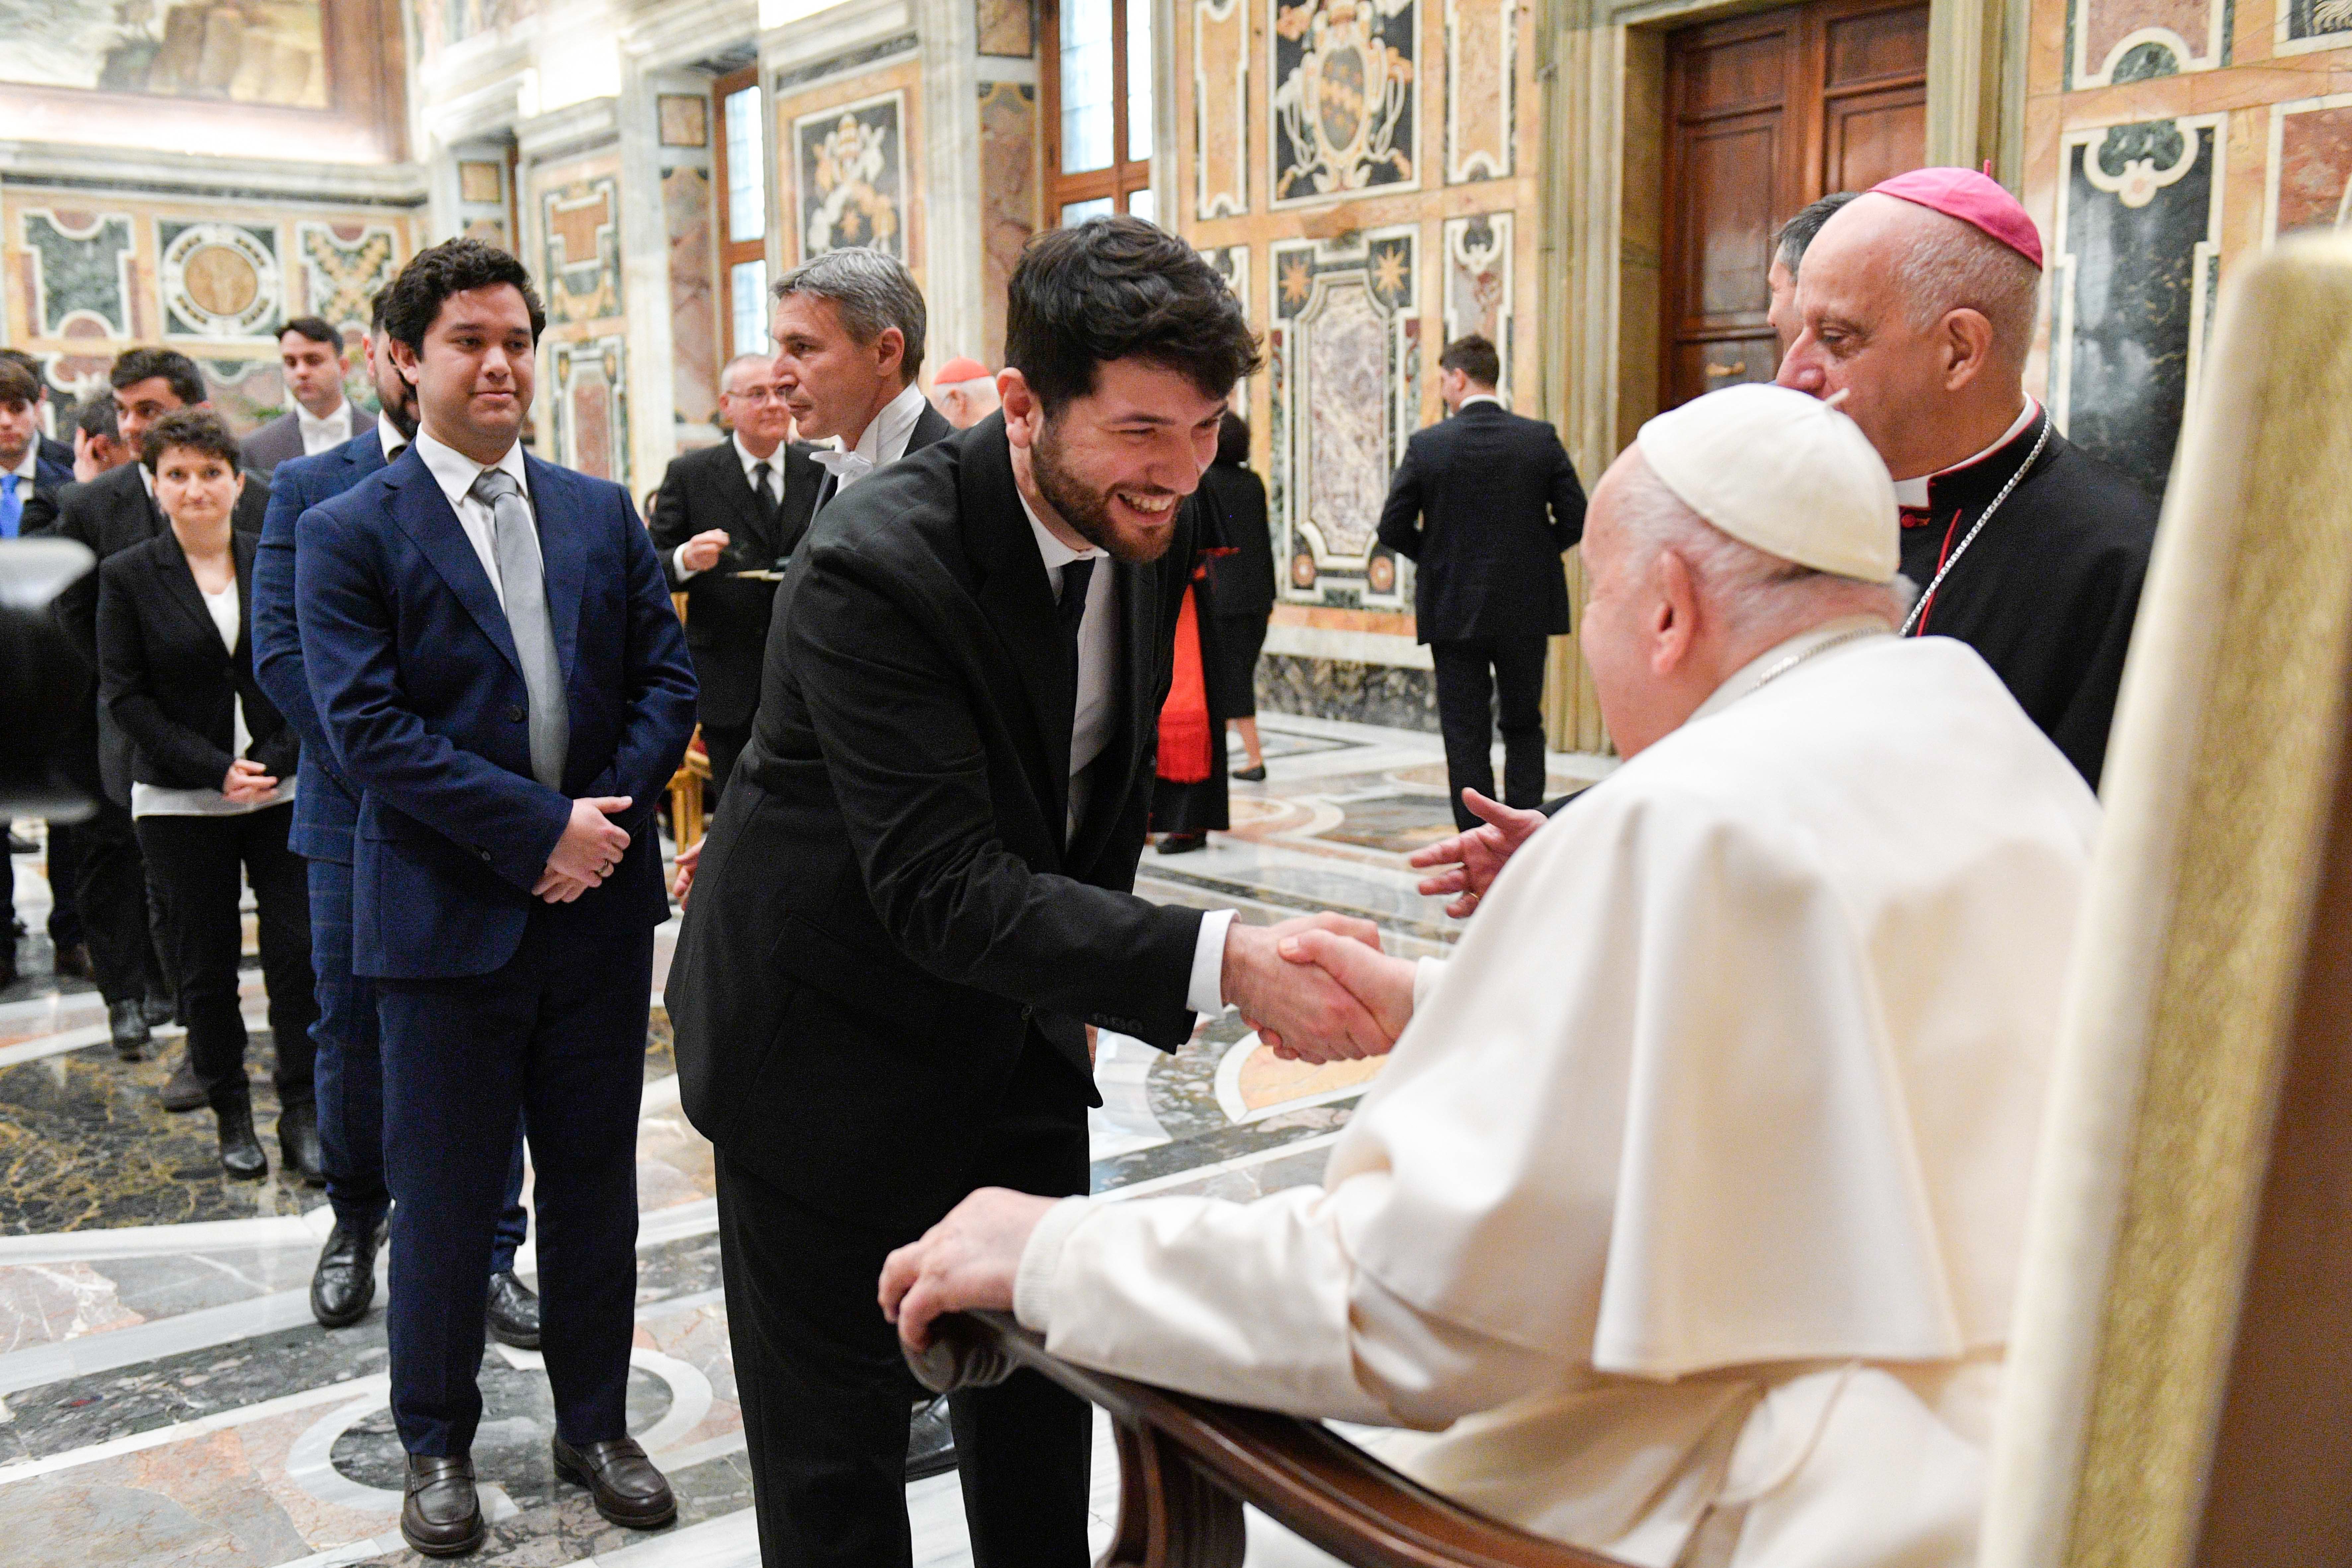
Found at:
[166, 1399]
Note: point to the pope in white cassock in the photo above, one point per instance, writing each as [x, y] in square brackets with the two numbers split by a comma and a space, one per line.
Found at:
[1688, 1214]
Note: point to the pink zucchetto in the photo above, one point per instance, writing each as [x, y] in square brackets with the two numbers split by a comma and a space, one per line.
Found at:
[1977, 200]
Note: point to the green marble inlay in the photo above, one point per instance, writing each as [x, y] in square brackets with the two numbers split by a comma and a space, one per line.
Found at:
[81, 272]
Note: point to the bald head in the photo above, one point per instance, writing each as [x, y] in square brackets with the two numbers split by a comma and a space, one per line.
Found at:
[1677, 606]
[1923, 322]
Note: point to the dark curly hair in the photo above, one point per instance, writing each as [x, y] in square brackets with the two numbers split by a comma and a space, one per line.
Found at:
[453, 267]
[1119, 288]
[133, 366]
[196, 429]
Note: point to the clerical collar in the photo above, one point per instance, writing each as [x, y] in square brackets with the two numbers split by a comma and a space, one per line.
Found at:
[1913, 494]
[1829, 640]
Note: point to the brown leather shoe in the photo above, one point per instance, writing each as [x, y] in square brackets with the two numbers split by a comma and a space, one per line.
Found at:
[442, 1515]
[629, 1490]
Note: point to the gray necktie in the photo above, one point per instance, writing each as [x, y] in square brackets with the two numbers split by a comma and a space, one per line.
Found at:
[515, 544]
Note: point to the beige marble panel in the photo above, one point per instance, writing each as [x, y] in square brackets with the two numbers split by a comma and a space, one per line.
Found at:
[1221, 50]
[1481, 48]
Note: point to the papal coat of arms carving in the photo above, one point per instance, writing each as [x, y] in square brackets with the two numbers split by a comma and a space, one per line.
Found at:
[1344, 98]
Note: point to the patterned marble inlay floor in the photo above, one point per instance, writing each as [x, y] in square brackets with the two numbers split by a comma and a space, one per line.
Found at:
[165, 1398]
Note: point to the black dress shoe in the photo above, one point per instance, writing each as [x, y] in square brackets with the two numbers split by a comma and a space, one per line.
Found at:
[628, 1489]
[1251, 775]
[181, 1090]
[442, 1515]
[1183, 843]
[160, 1010]
[343, 1284]
[297, 1143]
[240, 1150]
[128, 1025]
[513, 1311]
[930, 1441]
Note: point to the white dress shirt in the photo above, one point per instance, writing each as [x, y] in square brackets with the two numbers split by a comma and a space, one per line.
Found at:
[1095, 718]
[318, 434]
[1480, 397]
[775, 461]
[28, 468]
[1914, 492]
[389, 434]
[884, 442]
[455, 473]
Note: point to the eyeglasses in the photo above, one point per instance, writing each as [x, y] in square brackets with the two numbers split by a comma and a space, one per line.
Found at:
[759, 394]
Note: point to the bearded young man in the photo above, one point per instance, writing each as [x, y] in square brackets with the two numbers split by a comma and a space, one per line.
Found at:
[915, 896]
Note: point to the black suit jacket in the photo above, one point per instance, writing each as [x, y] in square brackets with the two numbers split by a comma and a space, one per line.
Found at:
[726, 615]
[167, 679]
[1242, 584]
[886, 910]
[110, 514]
[1486, 503]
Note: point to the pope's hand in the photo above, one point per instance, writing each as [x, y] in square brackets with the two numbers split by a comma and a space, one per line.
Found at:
[1472, 859]
[965, 1263]
[702, 552]
[689, 858]
[1381, 983]
[1313, 1014]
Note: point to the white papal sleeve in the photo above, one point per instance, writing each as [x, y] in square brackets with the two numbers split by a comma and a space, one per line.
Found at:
[1256, 1304]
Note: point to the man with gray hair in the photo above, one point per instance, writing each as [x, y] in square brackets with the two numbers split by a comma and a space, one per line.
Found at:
[726, 520]
[849, 341]
[1917, 309]
[1788, 253]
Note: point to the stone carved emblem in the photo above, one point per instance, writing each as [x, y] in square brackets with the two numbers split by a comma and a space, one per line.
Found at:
[220, 279]
[1344, 98]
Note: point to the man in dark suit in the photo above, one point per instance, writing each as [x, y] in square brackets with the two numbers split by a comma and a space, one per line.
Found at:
[916, 900]
[23, 471]
[311, 353]
[349, 1067]
[496, 664]
[55, 452]
[850, 329]
[1486, 503]
[738, 507]
[113, 512]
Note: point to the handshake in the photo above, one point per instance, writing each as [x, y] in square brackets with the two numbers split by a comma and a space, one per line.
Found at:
[1318, 988]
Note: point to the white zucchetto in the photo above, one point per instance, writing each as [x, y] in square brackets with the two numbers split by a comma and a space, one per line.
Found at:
[1783, 472]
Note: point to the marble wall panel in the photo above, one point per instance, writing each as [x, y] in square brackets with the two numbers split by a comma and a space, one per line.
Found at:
[852, 166]
[693, 311]
[1008, 198]
[1342, 689]
[247, 393]
[2131, 40]
[1482, 40]
[2306, 24]
[1479, 280]
[343, 267]
[1345, 352]
[592, 430]
[1007, 28]
[2310, 169]
[580, 228]
[684, 119]
[1343, 99]
[220, 279]
[2139, 235]
[80, 271]
[1221, 51]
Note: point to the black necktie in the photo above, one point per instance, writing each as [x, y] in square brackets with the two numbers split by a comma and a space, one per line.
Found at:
[1067, 613]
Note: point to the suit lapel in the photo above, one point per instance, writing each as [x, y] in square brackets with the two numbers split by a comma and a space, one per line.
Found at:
[562, 555]
[736, 484]
[1018, 600]
[423, 514]
[241, 547]
[180, 583]
[930, 426]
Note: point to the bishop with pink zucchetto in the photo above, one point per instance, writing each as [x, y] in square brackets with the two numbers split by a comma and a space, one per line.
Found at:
[1919, 302]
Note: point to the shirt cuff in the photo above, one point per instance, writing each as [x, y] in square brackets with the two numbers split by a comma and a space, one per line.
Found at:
[1426, 974]
[1206, 994]
[677, 559]
[1032, 1283]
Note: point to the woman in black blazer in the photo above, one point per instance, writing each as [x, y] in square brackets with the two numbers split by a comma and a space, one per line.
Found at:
[213, 781]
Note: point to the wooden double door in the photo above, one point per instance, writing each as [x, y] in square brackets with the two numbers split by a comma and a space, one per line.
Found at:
[1764, 114]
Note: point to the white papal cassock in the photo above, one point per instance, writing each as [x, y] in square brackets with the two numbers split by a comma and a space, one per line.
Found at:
[1689, 1208]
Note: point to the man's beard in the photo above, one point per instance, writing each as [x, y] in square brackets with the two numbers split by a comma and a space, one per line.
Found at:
[1087, 511]
[401, 410]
